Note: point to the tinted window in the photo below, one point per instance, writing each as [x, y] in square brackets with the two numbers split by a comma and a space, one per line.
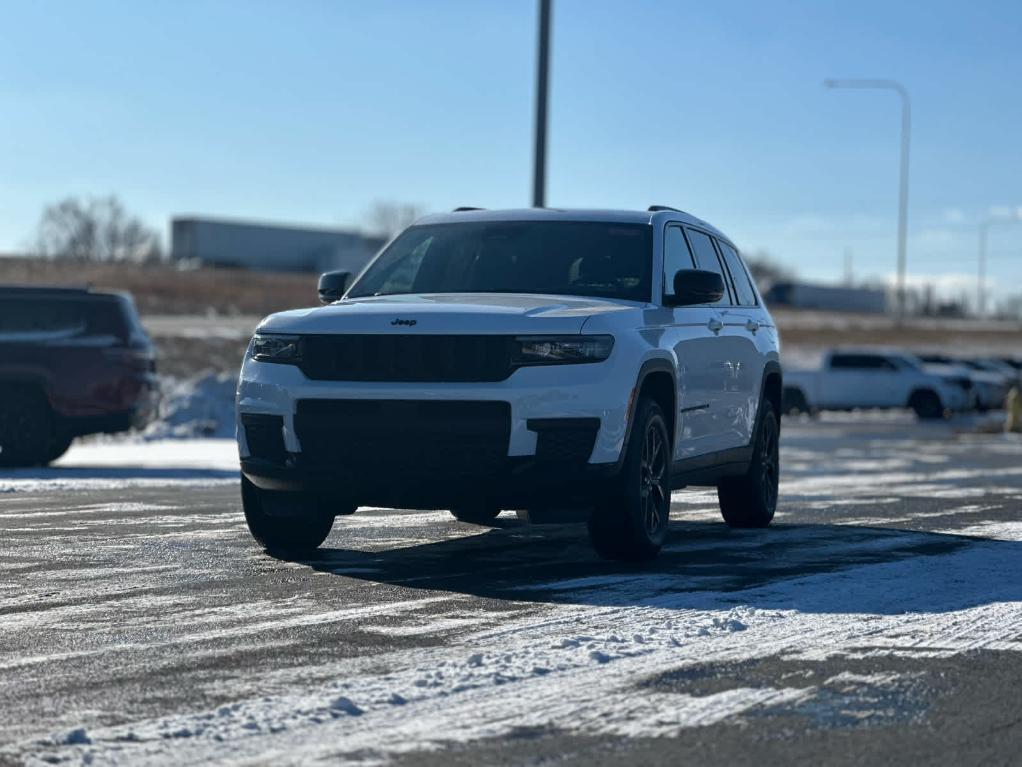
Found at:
[26, 315]
[676, 256]
[860, 362]
[742, 282]
[706, 258]
[557, 257]
[24, 318]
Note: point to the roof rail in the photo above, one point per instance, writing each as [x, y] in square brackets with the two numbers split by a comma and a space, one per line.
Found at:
[658, 208]
[465, 208]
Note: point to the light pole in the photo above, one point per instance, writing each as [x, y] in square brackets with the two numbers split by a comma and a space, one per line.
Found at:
[542, 80]
[981, 277]
[906, 130]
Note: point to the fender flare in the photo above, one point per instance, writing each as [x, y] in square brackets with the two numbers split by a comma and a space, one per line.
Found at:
[648, 367]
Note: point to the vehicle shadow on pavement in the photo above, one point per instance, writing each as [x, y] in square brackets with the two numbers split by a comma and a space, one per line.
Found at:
[44, 474]
[808, 567]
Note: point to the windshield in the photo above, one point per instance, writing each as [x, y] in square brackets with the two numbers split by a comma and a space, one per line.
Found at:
[554, 257]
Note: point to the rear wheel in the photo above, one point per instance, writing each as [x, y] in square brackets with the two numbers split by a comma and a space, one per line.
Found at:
[927, 405]
[794, 402]
[477, 513]
[631, 523]
[751, 500]
[288, 523]
[26, 427]
[58, 446]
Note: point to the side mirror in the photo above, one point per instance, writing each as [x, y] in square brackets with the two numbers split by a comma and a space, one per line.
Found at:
[695, 286]
[332, 286]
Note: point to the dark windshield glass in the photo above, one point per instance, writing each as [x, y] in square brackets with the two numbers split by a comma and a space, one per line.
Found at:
[558, 257]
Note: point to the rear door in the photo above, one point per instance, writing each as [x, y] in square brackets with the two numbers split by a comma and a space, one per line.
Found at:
[742, 329]
[704, 369]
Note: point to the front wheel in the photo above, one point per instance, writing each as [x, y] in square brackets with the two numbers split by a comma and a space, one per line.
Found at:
[26, 427]
[751, 499]
[927, 405]
[289, 523]
[630, 524]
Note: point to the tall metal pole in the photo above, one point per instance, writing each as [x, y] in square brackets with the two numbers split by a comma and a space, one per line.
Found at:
[981, 276]
[542, 81]
[906, 132]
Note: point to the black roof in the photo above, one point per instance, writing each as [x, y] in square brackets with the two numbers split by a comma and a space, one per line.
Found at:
[49, 291]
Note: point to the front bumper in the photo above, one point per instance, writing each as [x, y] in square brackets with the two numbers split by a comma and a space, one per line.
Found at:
[600, 391]
[550, 431]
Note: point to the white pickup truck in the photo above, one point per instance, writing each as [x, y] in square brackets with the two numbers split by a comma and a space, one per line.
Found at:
[853, 379]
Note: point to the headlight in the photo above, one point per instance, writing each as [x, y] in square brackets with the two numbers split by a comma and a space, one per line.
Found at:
[275, 348]
[560, 350]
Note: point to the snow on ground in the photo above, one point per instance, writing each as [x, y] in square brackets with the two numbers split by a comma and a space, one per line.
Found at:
[201, 406]
[590, 663]
[99, 465]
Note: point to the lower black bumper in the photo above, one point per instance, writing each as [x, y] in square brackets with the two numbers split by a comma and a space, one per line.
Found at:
[520, 482]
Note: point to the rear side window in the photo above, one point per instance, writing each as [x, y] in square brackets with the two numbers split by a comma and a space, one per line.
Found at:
[24, 318]
[677, 256]
[706, 258]
[27, 316]
[743, 284]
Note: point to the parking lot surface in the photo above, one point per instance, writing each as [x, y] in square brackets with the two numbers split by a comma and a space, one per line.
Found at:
[879, 620]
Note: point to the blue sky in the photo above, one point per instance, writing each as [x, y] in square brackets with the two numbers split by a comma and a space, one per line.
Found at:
[308, 111]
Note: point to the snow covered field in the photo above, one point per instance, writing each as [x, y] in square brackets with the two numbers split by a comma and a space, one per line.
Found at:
[141, 626]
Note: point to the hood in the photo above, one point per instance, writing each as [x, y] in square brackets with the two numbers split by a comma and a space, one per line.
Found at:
[471, 313]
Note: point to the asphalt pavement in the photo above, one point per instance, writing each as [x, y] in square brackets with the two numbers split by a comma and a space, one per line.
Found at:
[879, 620]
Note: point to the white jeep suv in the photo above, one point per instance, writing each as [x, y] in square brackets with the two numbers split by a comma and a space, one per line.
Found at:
[521, 359]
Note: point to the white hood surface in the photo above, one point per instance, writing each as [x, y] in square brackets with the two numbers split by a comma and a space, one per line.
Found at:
[468, 313]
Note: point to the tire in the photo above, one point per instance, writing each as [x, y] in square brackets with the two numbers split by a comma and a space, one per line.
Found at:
[630, 524]
[751, 500]
[26, 427]
[58, 446]
[927, 405]
[477, 513]
[301, 530]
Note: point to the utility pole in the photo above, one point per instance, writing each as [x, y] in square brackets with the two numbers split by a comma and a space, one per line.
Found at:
[542, 87]
[981, 276]
[906, 131]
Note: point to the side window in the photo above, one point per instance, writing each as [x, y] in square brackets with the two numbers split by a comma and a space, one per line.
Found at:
[706, 258]
[740, 275]
[677, 256]
[25, 318]
[860, 362]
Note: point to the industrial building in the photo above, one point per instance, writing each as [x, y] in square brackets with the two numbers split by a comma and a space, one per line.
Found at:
[269, 247]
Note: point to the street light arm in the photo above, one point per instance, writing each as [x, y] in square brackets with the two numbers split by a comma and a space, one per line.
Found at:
[891, 85]
[906, 132]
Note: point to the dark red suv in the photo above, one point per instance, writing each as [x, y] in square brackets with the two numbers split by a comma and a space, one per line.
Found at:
[72, 362]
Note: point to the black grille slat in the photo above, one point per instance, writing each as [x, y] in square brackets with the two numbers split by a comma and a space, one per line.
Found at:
[407, 358]
[369, 437]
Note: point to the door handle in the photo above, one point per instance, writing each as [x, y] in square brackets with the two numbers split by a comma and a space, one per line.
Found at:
[716, 324]
[751, 325]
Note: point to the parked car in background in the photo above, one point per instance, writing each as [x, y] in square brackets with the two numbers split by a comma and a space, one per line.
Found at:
[72, 362]
[528, 359]
[989, 388]
[852, 379]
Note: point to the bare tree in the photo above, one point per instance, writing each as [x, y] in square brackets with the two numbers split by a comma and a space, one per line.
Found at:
[95, 229]
[766, 271]
[386, 218]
